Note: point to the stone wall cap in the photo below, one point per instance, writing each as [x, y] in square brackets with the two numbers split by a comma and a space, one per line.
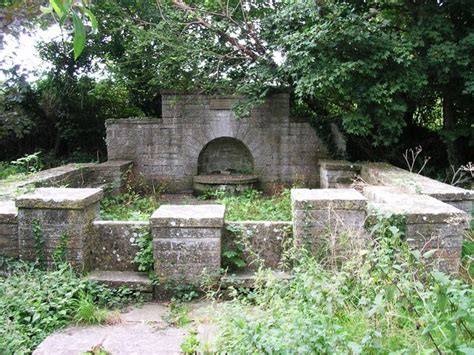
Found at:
[59, 198]
[114, 163]
[211, 216]
[338, 165]
[417, 208]
[324, 198]
[8, 212]
[414, 183]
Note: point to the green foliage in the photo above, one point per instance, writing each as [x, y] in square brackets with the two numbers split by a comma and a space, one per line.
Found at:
[178, 314]
[144, 257]
[191, 343]
[59, 253]
[382, 301]
[87, 311]
[233, 258]
[252, 205]
[35, 303]
[128, 206]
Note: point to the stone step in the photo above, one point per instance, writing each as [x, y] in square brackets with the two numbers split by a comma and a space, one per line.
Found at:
[133, 280]
[247, 278]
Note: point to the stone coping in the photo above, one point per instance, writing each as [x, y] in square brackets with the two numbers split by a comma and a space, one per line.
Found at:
[338, 165]
[8, 212]
[225, 179]
[386, 174]
[134, 120]
[121, 223]
[59, 198]
[416, 208]
[338, 199]
[113, 163]
[191, 216]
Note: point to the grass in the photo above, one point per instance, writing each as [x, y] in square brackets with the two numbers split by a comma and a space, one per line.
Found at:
[253, 205]
[129, 206]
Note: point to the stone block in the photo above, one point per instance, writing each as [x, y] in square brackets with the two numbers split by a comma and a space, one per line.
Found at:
[192, 216]
[430, 223]
[337, 173]
[55, 216]
[328, 221]
[318, 199]
[187, 240]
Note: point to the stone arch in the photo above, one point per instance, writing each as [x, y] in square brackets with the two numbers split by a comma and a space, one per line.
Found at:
[225, 154]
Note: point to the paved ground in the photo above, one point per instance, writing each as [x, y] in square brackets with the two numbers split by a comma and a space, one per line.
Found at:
[142, 330]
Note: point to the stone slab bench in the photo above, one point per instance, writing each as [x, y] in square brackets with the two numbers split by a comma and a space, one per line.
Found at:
[187, 240]
[389, 175]
[430, 223]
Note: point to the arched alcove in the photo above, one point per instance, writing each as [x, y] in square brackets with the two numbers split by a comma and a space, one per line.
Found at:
[225, 155]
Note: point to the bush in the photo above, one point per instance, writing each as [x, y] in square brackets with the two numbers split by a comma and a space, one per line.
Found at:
[383, 301]
[128, 206]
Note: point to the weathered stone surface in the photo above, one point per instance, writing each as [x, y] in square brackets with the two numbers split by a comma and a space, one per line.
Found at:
[168, 149]
[55, 215]
[211, 216]
[113, 244]
[338, 199]
[8, 212]
[430, 224]
[132, 280]
[59, 198]
[328, 221]
[337, 173]
[386, 174]
[187, 240]
[417, 208]
[111, 175]
[267, 241]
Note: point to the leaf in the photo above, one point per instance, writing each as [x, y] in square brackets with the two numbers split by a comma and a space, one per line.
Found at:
[46, 9]
[79, 36]
[58, 7]
[429, 254]
[92, 18]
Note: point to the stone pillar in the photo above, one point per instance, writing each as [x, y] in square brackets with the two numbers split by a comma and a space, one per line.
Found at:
[8, 229]
[326, 219]
[337, 173]
[56, 221]
[187, 240]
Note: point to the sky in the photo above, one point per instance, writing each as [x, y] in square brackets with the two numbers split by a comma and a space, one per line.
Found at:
[21, 51]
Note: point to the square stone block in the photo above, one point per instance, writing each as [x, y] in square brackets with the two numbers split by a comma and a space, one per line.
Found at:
[59, 198]
[192, 216]
[339, 199]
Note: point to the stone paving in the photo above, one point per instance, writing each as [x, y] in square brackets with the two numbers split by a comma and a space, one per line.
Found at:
[142, 330]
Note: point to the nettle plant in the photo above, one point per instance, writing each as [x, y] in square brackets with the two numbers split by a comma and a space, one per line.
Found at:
[386, 298]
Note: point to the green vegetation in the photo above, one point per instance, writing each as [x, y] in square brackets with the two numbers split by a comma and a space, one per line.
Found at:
[128, 206]
[383, 300]
[35, 303]
[253, 205]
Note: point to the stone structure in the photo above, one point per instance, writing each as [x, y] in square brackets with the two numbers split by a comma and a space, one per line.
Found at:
[49, 217]
[389, 175]
[430, 223]
[262, 243]
[8, 229]
[113, 244]
[200, 135]
[323, 218]
[187, 240]
[337, 173]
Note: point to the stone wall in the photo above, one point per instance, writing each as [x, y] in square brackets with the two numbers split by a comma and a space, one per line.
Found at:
[114, 244]
[262, 243]
[8, 229]
[337, 173]
[429, 223]
[167, 149]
